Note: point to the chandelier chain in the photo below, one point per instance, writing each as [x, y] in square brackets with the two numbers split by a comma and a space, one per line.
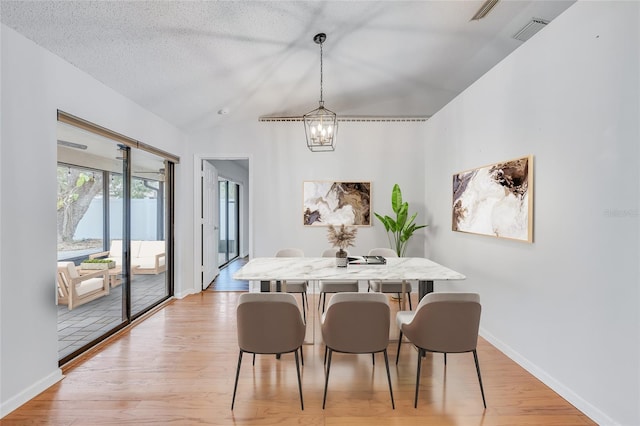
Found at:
[321, 101]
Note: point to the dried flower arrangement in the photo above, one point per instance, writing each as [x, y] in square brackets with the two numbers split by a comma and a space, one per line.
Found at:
[342, 238]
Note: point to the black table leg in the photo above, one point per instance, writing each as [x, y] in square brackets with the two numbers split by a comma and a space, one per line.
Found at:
[265, 286]
[424, 287]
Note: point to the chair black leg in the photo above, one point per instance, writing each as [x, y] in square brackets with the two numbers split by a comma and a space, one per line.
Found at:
[325, 355]
[373, 358]
[304, 308]
[420, 355]
[386, 362]
[254, 360]
[445, 359]
[326, 380]
[399, 301]
[299, 381]
[399, 342]
[475, 358]
[301, 356]
[324, 301]
[409, 297]
[235, 386]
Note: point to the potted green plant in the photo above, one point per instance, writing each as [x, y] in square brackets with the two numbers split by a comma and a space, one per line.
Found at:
[98, 264]
[342, 238]
[400, 229]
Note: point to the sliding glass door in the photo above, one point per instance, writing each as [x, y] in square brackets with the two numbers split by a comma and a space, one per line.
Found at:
[89, 214]
[228, 245]
[148, 229]
[114, 224]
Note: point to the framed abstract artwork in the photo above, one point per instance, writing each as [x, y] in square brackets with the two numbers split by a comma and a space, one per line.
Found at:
[336, 203]
[495, 200]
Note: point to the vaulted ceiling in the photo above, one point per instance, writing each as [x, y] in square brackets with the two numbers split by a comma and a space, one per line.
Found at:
[191, 61]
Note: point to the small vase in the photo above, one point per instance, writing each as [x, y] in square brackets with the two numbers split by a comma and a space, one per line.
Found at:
[341, 259]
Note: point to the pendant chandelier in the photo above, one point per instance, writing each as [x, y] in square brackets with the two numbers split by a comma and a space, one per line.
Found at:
[321, 124]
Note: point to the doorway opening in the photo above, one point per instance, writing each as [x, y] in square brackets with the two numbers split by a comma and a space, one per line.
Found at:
[223, 236]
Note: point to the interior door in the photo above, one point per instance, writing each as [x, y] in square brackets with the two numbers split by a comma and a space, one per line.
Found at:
[209, 224]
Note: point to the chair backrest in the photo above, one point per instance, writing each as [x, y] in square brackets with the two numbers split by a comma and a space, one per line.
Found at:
[68, 269]
[269, 323]
[446, 322]
[384, 252]
[357, 322]
[290, 252]
[64, 278]
[331, 252]
[115, 248]
[149, 248]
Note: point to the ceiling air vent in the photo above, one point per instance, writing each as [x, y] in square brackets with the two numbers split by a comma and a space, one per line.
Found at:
[530, 29]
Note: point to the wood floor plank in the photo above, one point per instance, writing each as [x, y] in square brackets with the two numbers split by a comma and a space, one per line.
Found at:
[178, 367]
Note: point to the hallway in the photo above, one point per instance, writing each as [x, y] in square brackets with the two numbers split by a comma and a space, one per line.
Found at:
[225, 282]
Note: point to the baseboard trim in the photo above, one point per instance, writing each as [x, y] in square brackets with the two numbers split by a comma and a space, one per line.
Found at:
[189, 292]
[31, 392]
[574, 399]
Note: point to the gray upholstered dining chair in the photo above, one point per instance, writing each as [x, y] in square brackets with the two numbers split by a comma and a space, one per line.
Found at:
[334, 286]
[296, 286]
[269, 323]
[356, 323]
[389, 286]
[444, 323]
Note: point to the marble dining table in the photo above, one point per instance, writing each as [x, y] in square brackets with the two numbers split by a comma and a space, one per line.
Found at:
[314, 269]
[285, 269]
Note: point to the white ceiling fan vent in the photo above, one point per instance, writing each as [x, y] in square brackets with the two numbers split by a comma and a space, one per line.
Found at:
[530, 29]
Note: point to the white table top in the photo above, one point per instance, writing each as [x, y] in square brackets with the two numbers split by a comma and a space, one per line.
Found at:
[324, 268]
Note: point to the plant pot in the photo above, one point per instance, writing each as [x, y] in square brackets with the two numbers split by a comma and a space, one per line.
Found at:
[98, 265]
[341, 259]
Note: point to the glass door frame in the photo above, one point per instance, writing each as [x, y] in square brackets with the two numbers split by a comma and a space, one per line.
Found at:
[227, 211]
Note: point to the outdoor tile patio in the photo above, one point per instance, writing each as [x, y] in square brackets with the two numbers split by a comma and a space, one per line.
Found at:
[88, 322]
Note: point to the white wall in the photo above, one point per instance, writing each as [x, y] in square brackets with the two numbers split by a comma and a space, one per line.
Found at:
[565, 307]
[381, 153]
[35, 84]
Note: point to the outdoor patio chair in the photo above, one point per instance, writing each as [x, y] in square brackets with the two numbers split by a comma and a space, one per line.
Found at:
[75, 289]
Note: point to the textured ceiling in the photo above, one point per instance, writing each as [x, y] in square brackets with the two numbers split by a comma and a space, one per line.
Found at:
[185, 61]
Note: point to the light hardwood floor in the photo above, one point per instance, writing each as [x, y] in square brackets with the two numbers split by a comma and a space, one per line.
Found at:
[178, 367]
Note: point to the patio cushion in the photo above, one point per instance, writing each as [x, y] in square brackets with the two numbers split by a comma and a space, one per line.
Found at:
[144, 255]
[149, 249]
[87, 286]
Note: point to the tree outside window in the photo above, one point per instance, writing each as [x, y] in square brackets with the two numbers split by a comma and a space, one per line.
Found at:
[79, 189]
